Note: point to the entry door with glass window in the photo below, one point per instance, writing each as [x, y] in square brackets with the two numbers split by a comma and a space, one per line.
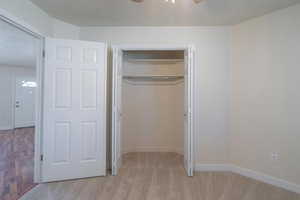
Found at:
[25, 86]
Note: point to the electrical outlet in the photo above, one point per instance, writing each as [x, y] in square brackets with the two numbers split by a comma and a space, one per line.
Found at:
[274, 156]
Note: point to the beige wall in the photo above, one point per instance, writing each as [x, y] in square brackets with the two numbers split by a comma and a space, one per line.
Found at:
[212, 67]
[153, 112]
[212, 77]
[265, 97]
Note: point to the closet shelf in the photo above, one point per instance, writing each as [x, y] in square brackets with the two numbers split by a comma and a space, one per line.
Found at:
[156, 60]
[153, 78]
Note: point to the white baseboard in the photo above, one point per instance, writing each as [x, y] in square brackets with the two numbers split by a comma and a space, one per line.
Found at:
[24, 125]
[250, 174]
[5, 128]
[266, 178]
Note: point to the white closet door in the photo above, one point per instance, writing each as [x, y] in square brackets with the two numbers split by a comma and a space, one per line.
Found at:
[188, 123]
[74, 131]
[117, 109]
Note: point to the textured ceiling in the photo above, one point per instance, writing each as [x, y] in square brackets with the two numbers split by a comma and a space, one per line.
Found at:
[17, 48]
[158, 12]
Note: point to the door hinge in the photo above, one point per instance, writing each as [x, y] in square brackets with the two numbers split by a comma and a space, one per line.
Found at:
[42, 158]
[44, 53]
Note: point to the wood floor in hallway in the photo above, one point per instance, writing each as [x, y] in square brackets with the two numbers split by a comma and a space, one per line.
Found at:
[16, 162]
[160, 176]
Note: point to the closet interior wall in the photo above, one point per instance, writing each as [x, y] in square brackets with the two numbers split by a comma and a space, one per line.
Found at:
[153, 102]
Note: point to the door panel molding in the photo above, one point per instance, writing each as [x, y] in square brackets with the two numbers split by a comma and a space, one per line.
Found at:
[75, 110]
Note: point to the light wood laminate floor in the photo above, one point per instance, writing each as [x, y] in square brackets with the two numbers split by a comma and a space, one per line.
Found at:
[160, 176]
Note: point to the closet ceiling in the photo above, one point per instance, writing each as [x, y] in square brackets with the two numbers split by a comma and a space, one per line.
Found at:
[17, 48]
[158, 12]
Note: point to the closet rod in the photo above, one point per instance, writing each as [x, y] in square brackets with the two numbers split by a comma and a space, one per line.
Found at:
[155, 60]
[154, 78]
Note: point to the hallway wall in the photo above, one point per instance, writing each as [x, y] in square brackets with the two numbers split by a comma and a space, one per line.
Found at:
[7, 91]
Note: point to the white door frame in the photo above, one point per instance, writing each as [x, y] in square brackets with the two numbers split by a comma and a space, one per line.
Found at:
[23, 26]
[190, 103]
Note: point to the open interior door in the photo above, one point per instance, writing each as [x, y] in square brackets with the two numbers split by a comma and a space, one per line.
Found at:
[74, 126]
[117, 110]
[188, 116]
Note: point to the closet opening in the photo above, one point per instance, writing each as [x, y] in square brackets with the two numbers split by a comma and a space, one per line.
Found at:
[151, 115]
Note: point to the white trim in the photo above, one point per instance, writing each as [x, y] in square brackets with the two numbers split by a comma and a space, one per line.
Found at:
[8, 17]
[13, 98]
[24, 125]
[39, 113]
[266, 178]
[114, 108]
[22, 25]
[250, 174]
[151, 47]
[191, 107]
[104, 125]
[191, 133]
[6, 128]
[190, 157]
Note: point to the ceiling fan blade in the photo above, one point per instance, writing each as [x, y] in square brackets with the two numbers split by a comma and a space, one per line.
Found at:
[198, 1]
[137, 1]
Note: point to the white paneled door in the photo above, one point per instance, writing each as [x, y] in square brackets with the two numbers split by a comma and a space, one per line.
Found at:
[74, 132]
